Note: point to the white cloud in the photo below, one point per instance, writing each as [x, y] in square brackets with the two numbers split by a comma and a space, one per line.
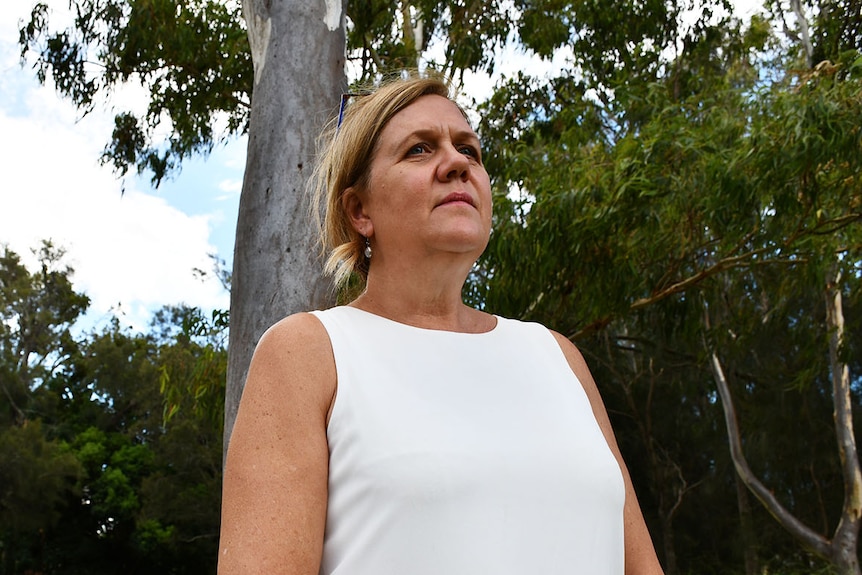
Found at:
[133, 250]
[230, 188]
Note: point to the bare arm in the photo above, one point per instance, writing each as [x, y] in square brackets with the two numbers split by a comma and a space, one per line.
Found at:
[275, 478]
[640, 553]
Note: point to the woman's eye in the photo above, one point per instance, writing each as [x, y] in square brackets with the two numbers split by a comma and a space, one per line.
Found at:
[470, 151]
[417, 149]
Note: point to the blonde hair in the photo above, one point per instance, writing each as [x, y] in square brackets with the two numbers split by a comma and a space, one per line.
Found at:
[347, 151]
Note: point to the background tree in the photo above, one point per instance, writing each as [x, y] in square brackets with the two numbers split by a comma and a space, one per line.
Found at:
[38, 472]
[94, 480]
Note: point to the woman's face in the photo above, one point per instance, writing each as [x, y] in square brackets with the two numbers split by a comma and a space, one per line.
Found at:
[428, 191]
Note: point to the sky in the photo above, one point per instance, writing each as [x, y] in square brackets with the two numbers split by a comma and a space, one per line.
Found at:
[133, 248]
[133, 251]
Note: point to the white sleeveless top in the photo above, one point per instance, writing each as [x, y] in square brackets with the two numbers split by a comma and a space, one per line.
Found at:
[464, 454]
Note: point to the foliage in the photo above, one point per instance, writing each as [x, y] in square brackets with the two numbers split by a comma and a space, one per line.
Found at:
[196, 358]
[384, 36]
[36, 314]
[94, 481]
[192, 59]
[36, 477]
[833, 27]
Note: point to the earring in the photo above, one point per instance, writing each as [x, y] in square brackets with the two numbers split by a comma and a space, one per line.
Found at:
[367, 249]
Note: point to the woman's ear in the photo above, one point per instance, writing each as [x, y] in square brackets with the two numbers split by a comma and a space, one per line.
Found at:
[354, 207]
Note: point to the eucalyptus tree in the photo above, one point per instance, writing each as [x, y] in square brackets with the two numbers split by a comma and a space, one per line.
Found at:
[93, 479]
[676, 186]
[298, 54]
[37, 311]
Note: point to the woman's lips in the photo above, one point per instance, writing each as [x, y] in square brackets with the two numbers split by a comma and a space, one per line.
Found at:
[457, 197]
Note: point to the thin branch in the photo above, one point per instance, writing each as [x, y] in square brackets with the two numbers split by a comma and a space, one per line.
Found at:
[816, 542]
[849, 524]
[721, 265]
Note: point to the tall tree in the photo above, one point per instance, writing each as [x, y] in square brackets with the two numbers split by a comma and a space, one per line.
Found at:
[298, 49]
[39, 473]
[825, 109]
[94, 480]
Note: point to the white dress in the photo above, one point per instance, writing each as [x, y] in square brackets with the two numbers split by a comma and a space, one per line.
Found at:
[464, 454]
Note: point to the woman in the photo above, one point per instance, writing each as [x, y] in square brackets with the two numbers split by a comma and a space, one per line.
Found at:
[406, 432]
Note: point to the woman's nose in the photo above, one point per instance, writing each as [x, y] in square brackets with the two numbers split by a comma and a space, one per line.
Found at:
[455, 165]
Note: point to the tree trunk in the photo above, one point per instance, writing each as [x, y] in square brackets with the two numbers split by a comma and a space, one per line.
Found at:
[845, 543]
[298, 49]
[804, 36]
[667, 513]
[665, 475]
[814, 541]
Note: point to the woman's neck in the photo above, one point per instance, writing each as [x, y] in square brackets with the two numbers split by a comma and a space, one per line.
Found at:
[421, 298]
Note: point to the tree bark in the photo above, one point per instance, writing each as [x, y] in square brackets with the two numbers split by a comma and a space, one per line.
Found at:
[298, 50]
[845, 542]
[804, 36]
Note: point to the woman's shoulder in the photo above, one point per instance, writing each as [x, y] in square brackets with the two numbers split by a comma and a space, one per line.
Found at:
[292, 363]
[543, 335]
[294, 341]
[295, 328]
[534, 329]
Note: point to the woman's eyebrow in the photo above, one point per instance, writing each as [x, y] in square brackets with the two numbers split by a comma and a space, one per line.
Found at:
[458, 135]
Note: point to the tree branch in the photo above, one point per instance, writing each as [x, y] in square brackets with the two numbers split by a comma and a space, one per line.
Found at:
[804, 37]
[816, 542]
[847, 532]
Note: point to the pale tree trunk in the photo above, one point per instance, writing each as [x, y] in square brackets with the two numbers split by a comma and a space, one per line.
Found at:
[804, 36]
[412, 32]
[298, 49]
[841, 550]
[845, 542]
